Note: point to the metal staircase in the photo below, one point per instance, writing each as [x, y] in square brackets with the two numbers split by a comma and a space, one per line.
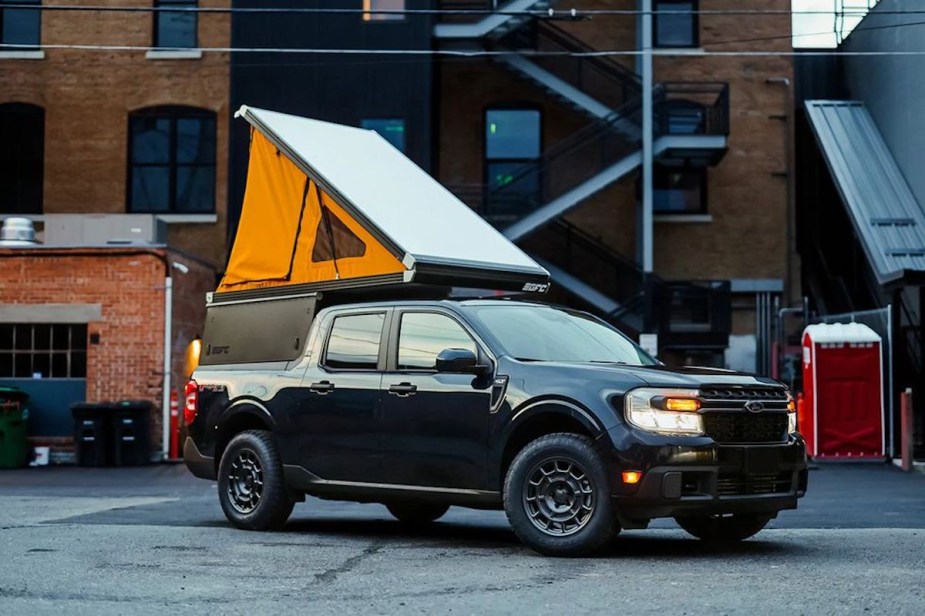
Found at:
[691, 122]
[501, 18]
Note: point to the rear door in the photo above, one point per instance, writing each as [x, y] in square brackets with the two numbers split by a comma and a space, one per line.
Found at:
[434, 425]
[339, 399]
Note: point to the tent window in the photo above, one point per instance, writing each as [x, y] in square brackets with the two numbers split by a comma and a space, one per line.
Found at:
[22, 154]
[172, 166]
[346, 243]
[20, 26]
[175, 29]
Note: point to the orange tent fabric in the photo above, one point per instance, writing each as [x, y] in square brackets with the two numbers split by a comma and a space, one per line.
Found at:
[292, 232]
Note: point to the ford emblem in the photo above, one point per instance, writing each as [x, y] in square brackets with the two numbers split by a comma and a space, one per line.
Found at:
[754, 406]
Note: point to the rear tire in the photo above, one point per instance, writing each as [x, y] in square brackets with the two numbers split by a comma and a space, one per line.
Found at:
[417, 513]
[557, 497]
[251, 488]
[736, 527]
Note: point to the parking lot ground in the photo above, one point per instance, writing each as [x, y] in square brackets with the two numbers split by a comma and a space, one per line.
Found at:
[153, 540]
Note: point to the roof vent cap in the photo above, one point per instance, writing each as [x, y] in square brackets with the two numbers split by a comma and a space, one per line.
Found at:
[17, 232]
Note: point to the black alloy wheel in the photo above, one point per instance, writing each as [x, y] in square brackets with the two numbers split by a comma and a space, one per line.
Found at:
[251, 489]
[557, 497]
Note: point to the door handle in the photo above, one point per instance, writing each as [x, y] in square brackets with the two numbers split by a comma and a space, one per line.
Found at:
[324, 387]
[403, 390]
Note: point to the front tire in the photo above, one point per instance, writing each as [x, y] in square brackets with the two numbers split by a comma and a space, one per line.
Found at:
[736, 527]
[557, 497]
[417, 513]
[251, 489]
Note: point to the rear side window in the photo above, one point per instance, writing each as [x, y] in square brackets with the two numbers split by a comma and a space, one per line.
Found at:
[354, 342]
[423, 335]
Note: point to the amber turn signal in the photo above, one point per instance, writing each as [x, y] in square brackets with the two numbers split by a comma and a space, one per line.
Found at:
[682, 404]
[792, 406]
[632, 477]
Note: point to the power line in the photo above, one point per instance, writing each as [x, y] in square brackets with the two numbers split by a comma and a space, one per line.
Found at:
[559, 13]
[464, 54]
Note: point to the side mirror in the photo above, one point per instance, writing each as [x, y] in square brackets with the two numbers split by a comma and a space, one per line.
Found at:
[457, 360]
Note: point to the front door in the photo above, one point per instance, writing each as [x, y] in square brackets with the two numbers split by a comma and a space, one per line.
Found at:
[434, 425]
[339, 397]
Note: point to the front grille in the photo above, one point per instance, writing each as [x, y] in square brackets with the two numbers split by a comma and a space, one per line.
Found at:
[742, 485]
[744, 394]
[745, 427]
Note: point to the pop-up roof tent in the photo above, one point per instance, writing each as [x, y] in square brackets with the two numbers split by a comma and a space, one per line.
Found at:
[336, 209]
[333, 207]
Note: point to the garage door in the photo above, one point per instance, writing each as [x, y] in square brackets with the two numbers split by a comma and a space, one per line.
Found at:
[49, 362]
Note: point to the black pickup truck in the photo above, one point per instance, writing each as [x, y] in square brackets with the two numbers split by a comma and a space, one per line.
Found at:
[548, 413]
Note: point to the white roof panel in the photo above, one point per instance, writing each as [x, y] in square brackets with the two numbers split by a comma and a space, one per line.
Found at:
[390, 194]
[841, 333]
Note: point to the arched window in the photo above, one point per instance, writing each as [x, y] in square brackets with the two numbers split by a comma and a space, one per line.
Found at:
[22, 158]
[171, 160]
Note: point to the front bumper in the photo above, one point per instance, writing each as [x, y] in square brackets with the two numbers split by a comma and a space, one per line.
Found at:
[708, 478]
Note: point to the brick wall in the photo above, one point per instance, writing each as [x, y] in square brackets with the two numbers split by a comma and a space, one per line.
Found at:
[129, 284]
[88, 95]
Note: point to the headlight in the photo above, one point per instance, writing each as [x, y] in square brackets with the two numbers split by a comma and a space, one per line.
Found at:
[791, 414]
[664, 411]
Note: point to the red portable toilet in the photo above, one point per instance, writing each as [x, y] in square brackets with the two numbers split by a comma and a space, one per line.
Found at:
[843, 391]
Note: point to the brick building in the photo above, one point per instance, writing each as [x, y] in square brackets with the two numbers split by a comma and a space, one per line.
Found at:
[89, 131]
[92, 132]
[550, 149]
[88, 324]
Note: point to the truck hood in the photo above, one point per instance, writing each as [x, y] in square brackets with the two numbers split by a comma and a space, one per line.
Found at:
[656, 376]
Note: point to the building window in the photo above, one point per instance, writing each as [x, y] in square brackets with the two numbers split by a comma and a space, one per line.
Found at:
[512, 142]
[678, 26]
[43, 351]
[175, 29]
[354, 342]
[392, 131]
[172, 161]
[20, 26]
[680, 190]
[370, 8]
[22, 158]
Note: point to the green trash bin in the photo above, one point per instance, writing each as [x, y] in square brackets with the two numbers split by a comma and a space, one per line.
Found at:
[14, 447]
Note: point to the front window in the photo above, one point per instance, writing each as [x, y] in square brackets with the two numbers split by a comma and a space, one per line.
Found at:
[392, 130]
[354, 342]
[377, 10]
[679, 190]
[512, 143]
[172, 161]
[424, 335]
[175, 29]
[22, 158]
[20, 26]
[546, 333]
[675, 23]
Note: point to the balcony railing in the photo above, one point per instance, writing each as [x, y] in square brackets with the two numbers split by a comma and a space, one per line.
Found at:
[691, 108]
[606, 81]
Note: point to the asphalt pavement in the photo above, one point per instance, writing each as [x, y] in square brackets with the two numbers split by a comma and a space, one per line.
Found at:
[154, 540]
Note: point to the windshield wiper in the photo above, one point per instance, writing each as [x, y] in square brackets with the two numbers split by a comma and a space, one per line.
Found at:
[607, 361]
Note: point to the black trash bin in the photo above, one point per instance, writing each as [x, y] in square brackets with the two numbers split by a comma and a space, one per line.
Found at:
[131, 431]
[92, 433]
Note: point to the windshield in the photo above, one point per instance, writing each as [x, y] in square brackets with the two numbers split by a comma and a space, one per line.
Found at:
[545, 333]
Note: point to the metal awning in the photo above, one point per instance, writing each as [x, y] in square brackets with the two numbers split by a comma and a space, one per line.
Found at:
[886, 215]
